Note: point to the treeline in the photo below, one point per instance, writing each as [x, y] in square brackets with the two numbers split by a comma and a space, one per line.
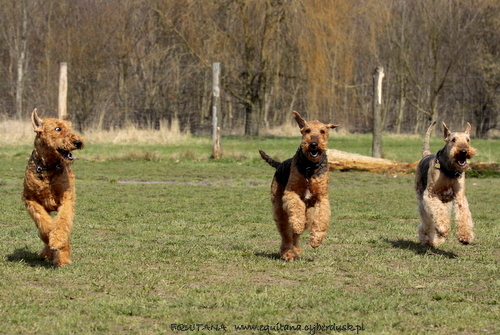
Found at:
[147, 61]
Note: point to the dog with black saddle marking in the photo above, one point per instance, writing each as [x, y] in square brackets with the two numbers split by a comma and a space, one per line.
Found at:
[299, 190]
[440, 186]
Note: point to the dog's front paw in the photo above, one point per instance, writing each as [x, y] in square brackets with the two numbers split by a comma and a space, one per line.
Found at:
[466, 238]
[315, 242]
[62, 256]
[316, 238]
[289, 255]
[61, 261]
[56, 242]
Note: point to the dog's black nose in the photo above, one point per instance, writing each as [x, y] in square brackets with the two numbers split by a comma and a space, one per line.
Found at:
[313, 145]
[77, 144]
[463, 151]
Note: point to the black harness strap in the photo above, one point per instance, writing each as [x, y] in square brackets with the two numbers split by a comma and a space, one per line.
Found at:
[304, 166]
[39, 166]
[308, 168]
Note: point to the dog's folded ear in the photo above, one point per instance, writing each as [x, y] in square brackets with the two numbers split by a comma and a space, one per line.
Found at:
[36, 121]
[300, 121]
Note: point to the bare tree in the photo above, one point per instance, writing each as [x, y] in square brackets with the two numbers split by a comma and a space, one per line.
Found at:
[15, 34]
[436, 33]
[145, 61]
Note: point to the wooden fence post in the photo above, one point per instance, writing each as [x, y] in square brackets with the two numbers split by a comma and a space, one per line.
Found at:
[216, 150]
[62, 110]
[378, 75]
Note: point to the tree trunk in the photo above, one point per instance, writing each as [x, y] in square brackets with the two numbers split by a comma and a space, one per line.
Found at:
[251, 128]
[20, 64]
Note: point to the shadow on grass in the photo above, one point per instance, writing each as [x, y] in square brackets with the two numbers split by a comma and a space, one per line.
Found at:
[419, 248]
[276, 256]
[29, 258]
[272, 255]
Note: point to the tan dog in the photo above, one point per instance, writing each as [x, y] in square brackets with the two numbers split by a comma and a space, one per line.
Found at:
[49, 185]
[299, 190]
[439, 183]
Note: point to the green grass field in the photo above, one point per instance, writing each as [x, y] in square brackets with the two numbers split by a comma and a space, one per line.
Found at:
[166, 238]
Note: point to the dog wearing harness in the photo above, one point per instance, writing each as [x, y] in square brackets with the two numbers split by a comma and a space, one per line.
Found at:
[299, 190]
[440, 186]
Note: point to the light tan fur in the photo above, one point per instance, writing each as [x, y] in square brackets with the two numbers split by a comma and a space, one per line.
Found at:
[299, 190]
[440, 187]
[49, 185]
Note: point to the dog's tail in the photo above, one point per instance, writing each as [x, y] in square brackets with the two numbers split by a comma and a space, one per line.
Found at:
[269, 160]
[426, 150]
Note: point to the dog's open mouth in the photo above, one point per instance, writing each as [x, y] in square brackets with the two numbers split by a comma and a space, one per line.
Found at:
[461, 159]
[314, 153]
[66, 154]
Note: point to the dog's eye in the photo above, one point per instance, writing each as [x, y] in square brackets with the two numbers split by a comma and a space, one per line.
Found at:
[454, 140]
[307, 131]
[58, 129]
[322, 131]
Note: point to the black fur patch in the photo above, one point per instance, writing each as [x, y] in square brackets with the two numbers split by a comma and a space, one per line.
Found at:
[447, 172]
[283, 172]
[304, 166]
[423, 167]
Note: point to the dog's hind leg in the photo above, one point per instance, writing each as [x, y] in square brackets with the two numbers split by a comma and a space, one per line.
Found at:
[47, 253]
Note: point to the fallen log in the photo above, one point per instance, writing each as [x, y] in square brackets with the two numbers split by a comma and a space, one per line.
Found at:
[485, 167]
[345, 161]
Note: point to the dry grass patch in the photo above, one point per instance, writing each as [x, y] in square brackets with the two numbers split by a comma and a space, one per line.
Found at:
[167, 133]
[15, 132]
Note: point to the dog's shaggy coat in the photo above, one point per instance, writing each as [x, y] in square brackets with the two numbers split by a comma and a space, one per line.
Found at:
[49, 185]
